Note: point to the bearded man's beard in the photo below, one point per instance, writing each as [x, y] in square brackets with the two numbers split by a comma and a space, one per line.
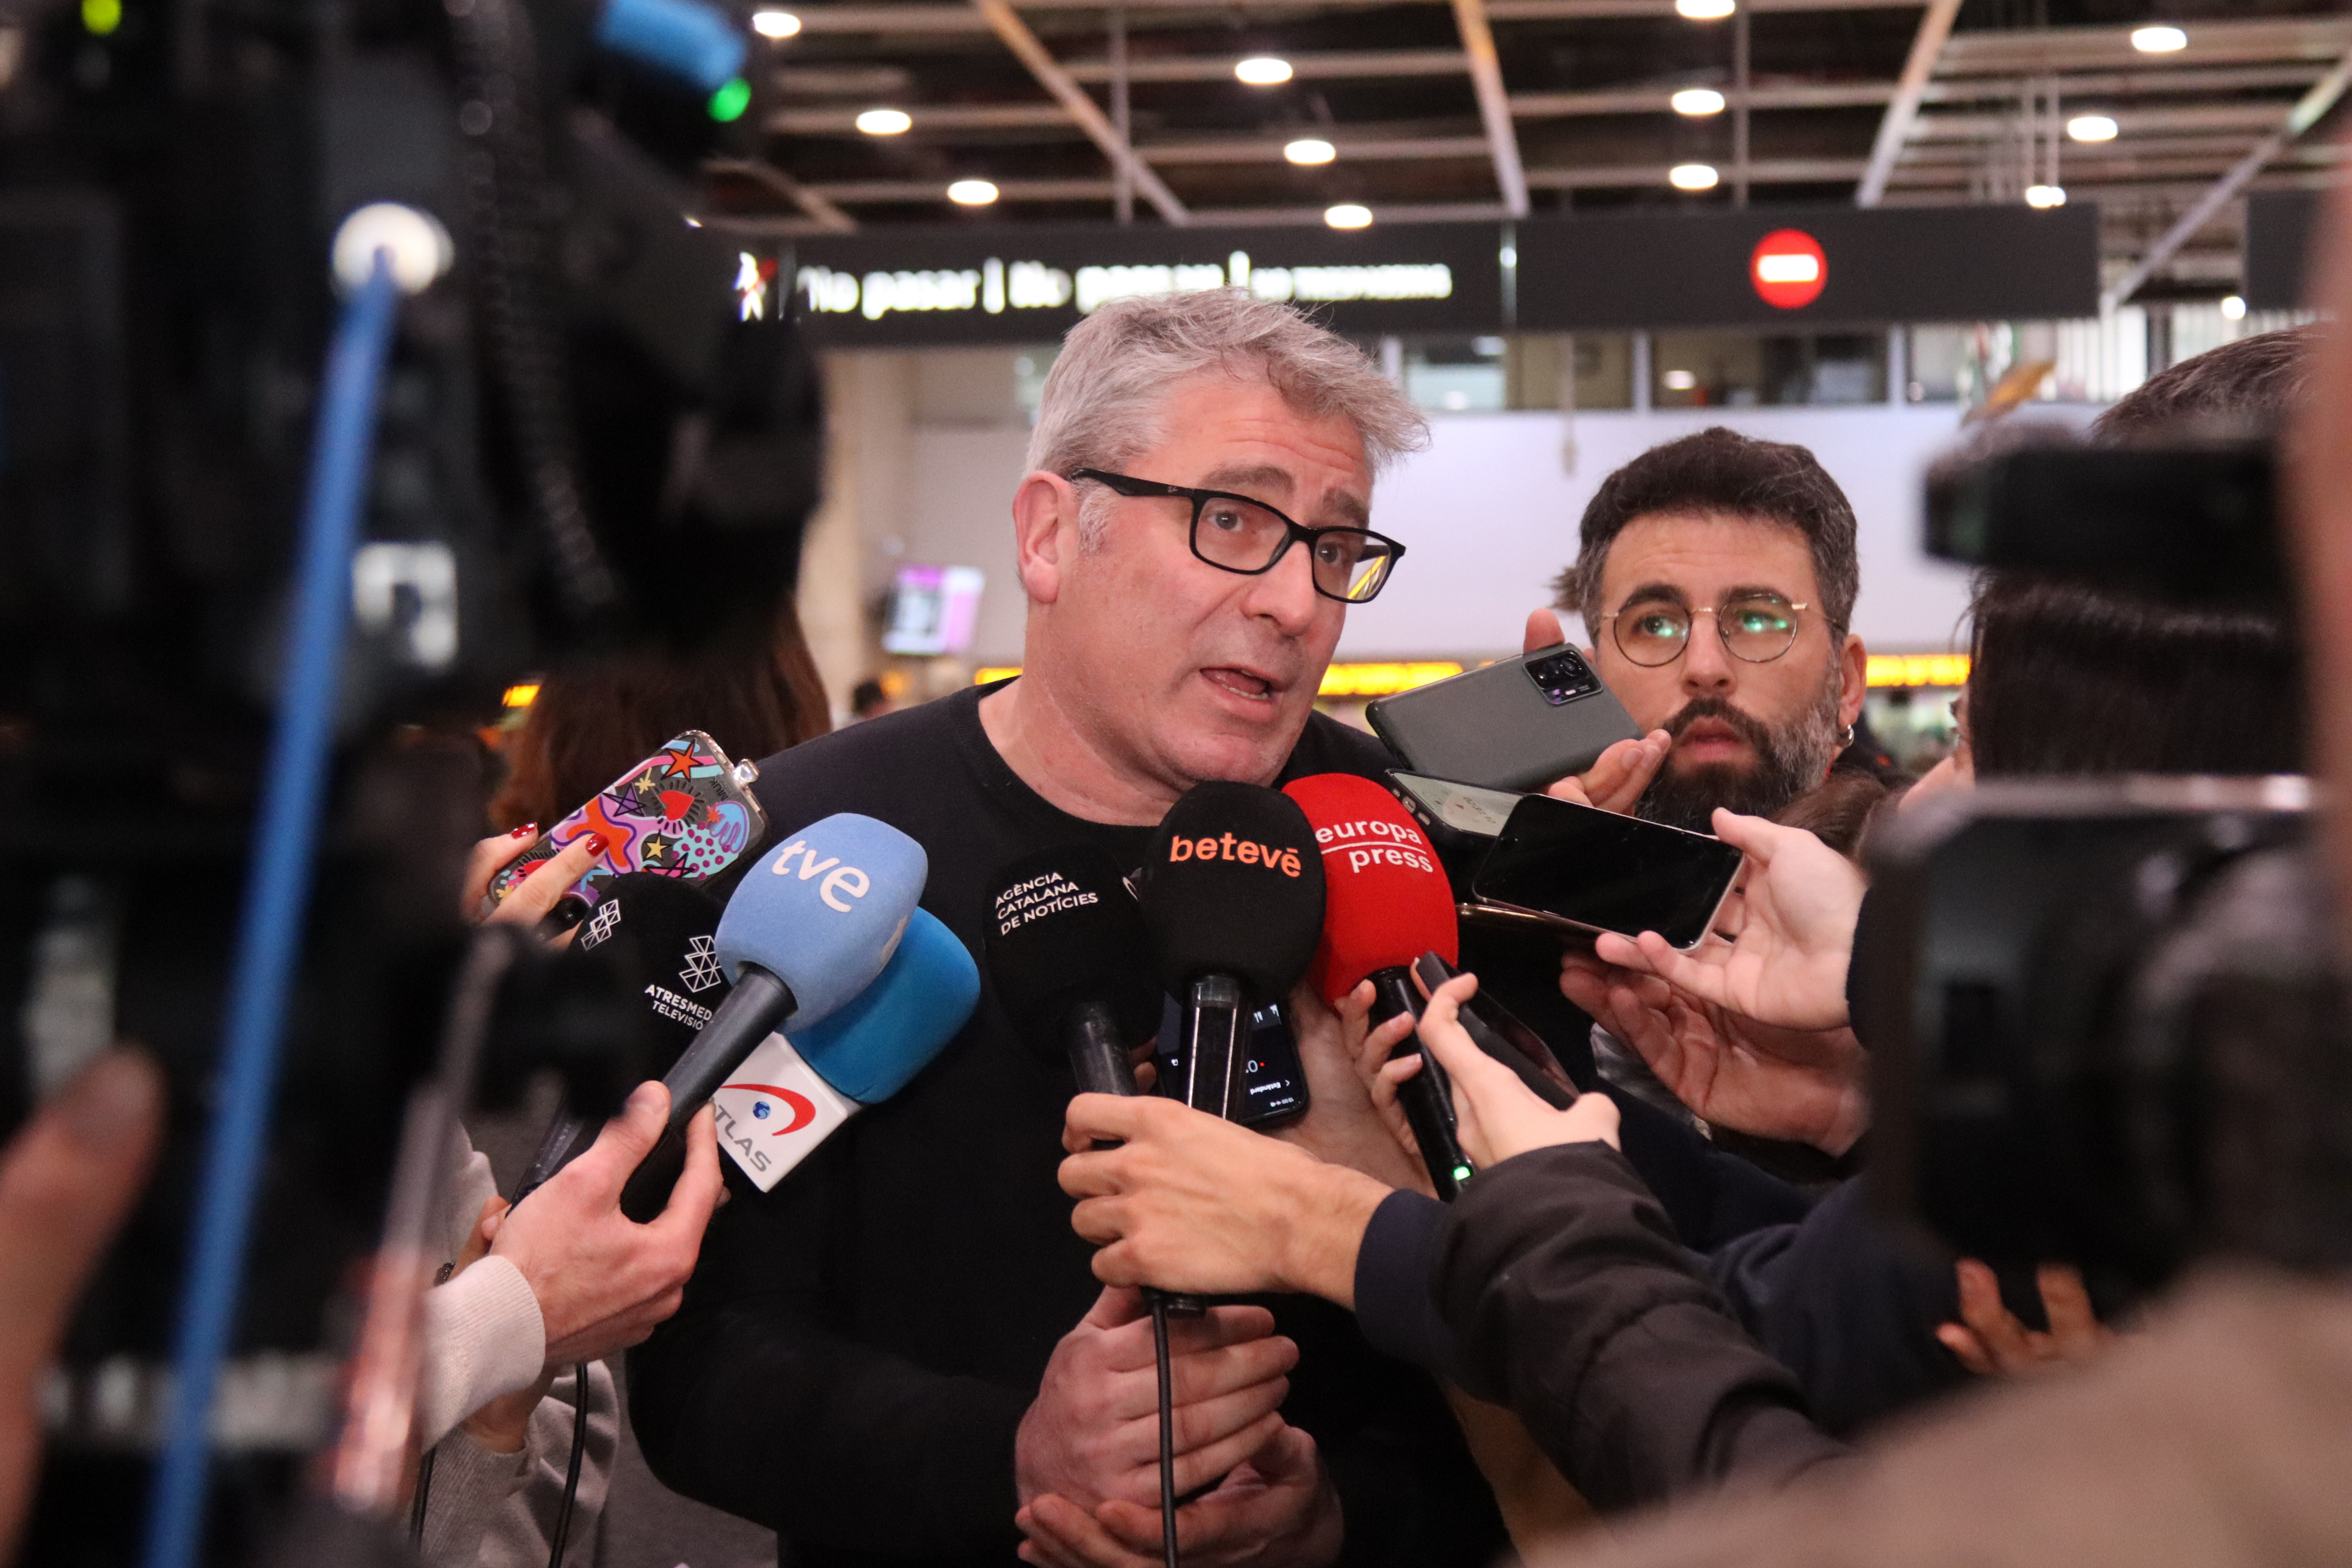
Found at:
[1790, 759]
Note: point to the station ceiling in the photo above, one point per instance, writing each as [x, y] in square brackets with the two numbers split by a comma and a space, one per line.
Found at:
[1073, 110]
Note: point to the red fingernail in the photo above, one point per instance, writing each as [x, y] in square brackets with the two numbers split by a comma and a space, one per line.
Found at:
[596, 843]
[525, 831]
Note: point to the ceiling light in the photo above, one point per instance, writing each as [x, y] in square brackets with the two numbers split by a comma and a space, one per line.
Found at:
[883, 121]
[1679, 380]
[1308, 150]
[775, 24]
[1706, 10]
[2233, 307]
[1697, 100]
[2045, 195]
[2158, 40]
[1693, 176]
[2091, 128]
[1347, 215]
[972, 193]
[1263, 70]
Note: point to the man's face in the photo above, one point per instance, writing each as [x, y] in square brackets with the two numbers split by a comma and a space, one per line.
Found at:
[1182, 670]
[1748, 736]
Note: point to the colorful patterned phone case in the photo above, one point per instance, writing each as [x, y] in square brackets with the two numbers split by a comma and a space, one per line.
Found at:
[684, 812]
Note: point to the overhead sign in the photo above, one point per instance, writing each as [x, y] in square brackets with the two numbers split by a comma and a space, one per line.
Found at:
[975, 285]
[2279, 226]
[1829, 266]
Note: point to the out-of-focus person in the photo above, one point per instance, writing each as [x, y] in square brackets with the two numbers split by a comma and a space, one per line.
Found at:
[755, 693]
[871, 699]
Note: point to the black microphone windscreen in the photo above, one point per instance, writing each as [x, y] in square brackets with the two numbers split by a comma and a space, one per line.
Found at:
[1065, 931]
[1234, 885]
[657, 931]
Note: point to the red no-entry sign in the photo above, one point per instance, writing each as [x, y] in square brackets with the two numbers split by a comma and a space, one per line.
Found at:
[1789, 269]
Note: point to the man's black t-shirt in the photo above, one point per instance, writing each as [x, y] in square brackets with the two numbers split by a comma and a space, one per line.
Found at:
[858, 1347]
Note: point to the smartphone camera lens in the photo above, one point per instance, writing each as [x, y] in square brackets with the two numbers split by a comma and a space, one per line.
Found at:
[1563, 677]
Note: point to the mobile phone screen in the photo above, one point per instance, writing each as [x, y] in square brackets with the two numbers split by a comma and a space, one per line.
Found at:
[1464, 807]
[1608, 872]
[1274, 1084]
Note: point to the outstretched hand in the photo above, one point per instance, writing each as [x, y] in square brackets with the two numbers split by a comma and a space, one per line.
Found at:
[1787, 966]
[1805, 1085]
[1990, 1341]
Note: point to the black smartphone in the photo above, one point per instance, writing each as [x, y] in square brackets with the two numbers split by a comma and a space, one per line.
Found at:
[1587, 869]
[1462, 820]
[1516, 724]
[1274, 1084]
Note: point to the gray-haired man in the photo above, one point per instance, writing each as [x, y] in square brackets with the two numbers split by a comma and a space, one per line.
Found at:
[879, 1357]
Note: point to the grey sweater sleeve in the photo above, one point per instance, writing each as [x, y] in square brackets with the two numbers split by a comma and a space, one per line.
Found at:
[499, 1510]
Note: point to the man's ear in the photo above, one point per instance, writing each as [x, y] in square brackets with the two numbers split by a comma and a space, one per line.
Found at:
[1853, 669]
[1045, 534]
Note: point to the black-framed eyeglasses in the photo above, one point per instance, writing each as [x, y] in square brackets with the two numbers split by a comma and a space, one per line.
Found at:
[1234, 534]
[1756, 626]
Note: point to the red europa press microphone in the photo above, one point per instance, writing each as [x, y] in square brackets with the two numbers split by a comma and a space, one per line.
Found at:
[1386, 903]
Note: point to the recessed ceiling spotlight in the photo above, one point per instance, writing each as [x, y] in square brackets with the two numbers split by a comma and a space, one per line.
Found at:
[885, 121]
[1679, 380]
[2091, 128]
[1706, 10]
[1693, 176]
[775, 24]
[1263, 70]
[1697, 100]
[2233, 307]
[2045, 195]
[2158, 40]
[1309, 150]
[1347, 215]
[972, 193]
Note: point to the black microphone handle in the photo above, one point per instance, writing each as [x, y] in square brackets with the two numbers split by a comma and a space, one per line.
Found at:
[1099, 1057]
[747, 1018]
[1214, 1055]
[1427, 1096]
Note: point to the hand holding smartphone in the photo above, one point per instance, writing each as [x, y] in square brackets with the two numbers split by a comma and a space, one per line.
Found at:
[684, 812]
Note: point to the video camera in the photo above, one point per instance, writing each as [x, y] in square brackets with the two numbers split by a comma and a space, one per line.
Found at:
[590, 434]
[2107, 1014]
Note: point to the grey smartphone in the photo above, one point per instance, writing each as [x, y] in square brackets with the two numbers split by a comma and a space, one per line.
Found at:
[1585, 870]
[1516, 724]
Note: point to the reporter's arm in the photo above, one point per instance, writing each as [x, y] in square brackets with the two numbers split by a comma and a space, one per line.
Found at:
[1574, 1304]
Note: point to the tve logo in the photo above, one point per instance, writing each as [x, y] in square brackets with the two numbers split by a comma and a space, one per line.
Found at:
[775, 1110]
[840, 881]
[1789, 269]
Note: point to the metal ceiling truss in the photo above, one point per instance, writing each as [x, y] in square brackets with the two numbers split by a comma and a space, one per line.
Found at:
[1958, 115]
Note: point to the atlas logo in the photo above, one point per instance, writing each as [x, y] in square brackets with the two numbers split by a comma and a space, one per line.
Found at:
[1226, 847]
[845, 880]
[802, 1112]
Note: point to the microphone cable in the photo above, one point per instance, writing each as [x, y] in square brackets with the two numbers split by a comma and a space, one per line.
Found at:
[571, 1468]
[1159, 1300]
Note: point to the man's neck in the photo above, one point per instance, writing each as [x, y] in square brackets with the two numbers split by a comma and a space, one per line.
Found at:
[1048, 750]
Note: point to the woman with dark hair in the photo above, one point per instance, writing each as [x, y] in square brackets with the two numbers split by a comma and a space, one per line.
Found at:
[2070, 679]
[591, 721]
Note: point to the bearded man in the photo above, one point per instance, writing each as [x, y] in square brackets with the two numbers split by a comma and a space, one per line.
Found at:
[1716, 576]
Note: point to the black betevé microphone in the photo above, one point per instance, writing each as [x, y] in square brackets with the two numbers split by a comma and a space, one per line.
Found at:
[1233, 898]
[1067, 953]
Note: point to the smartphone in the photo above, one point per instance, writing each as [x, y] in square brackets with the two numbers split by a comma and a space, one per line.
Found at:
[1514, 725]
[1587, 869]
[1463, 821]
[1274, 1084]
[684, 812]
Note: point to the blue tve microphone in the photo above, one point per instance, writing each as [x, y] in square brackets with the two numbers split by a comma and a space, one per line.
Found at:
[810, 927]
[790, 1094]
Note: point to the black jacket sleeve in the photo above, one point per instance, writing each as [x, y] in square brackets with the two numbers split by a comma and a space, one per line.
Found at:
[1572, 1302]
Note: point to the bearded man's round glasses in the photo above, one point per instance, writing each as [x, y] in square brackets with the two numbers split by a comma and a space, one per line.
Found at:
[1234, 534]
[1757, 627]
